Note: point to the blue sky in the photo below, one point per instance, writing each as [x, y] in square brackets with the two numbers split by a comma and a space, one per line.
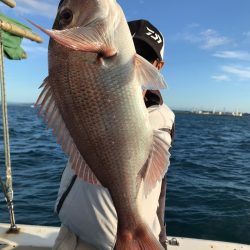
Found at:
[207, 51]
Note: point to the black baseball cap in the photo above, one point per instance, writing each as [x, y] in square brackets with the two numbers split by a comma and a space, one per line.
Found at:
[60, 3]
[145, 32]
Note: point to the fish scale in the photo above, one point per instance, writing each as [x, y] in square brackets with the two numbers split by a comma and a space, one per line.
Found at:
[96, 114]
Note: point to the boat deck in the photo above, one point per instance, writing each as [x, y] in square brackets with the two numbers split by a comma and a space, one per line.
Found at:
[28, 238]
[43, 238]
[197, 244]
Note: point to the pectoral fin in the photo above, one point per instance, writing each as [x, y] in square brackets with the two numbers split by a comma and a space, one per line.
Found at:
[157, 163]
[96, 38]
[148, 75]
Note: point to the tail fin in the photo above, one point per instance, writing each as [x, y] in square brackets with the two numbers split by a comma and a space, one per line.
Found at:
[140, 238]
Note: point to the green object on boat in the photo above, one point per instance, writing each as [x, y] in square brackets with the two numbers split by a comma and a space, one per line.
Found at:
[12, 43]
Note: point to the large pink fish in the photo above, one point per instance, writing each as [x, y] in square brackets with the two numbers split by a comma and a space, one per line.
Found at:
[92, 99]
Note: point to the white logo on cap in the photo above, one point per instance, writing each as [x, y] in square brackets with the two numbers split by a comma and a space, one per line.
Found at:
[154, 35]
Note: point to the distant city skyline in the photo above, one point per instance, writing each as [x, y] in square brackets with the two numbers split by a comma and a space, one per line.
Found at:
[207, 51]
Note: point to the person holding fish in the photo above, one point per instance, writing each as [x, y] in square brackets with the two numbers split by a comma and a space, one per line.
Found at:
[117, 140]
[73, 189]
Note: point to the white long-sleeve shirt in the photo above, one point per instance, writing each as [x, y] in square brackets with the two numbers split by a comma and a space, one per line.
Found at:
[88, 211]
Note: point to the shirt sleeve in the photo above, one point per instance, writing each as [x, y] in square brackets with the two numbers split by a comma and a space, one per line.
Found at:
[162, 118]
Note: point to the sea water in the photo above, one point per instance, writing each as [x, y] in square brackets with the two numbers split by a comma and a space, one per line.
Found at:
[208, 190]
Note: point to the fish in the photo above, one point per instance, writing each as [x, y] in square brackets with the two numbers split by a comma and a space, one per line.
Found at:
[92, 100]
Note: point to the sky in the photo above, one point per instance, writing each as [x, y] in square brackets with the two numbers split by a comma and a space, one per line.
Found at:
[207, 51]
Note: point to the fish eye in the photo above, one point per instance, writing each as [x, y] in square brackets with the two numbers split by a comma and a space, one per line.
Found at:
[66, 16]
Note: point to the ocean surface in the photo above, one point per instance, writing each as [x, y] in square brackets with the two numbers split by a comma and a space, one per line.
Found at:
[208, 193]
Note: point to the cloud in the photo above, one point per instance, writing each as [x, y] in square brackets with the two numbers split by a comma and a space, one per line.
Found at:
[247, 34]
[240, 55]
[212, 39]
[37, 7]
[206, 39]
[242, 72]
[220, 78]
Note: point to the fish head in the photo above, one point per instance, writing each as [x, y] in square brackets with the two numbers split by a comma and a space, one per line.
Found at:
[87, 26]
[80, 13]
[96, 26]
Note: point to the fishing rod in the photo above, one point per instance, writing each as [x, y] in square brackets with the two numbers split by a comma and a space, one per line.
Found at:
[10, 3]
[15, 30]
